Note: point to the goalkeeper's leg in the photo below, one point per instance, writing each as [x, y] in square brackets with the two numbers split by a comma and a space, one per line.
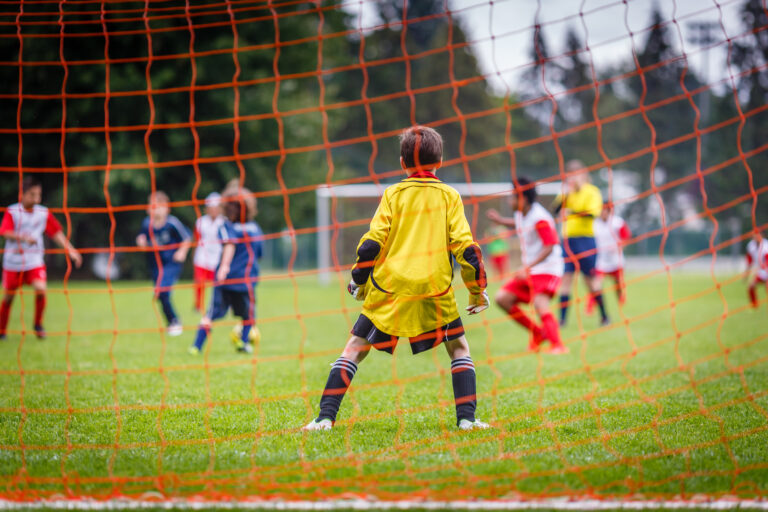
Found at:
[464, 383]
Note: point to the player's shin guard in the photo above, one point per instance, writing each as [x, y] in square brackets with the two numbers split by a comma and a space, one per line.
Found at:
[5, 313]
[464, 388]
[519, 316]
[564, 300]
[40, 301]
[202, 334]
[551, 329]
[600, 304]
[342, 373]
[165, 302]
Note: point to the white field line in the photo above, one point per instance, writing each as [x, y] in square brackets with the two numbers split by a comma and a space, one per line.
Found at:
[554, 504]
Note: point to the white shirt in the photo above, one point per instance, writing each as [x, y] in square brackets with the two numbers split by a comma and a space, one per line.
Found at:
[21, 256]
[208, 250]
[529, 228]
[756, 255]
[610, 256]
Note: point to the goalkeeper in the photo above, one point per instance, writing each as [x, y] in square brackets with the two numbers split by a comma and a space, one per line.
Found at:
[403, 274]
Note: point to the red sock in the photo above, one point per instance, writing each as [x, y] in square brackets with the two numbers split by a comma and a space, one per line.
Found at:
[753, 296]
[519, 316]
[199, 295]
[551, 329]
[5, 312]
[39, 308]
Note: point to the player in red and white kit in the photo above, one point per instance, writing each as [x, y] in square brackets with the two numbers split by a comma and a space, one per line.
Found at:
[757, 265]
[23, 226]
[539, 278]
[611, 231]
[208, 249]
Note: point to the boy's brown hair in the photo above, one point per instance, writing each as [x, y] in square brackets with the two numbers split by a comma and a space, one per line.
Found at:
[234, 200]
[420, 146]
[158, 196]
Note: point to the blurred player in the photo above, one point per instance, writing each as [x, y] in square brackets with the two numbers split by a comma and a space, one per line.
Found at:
[539, 277]
[404, 272]
[757, 265]
[238, 270]
[23, 226]
[610, 233]
[581, 204]
[498, 250]
[168, 241]
[208, 249]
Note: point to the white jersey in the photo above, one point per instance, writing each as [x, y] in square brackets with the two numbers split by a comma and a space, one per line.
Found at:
[208, 250]
[756, 255]
[530, 228]
[20, 256]
[608, 235]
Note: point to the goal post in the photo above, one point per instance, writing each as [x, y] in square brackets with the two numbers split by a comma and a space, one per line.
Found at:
[490, 193]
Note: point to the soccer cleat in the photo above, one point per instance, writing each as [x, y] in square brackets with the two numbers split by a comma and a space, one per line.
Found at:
[536, 339]
[465, 424]
[175, 329]
[605, 321]
[559, 349]
[245, 348]
[193, 350]
[40, 332]
[316, 424]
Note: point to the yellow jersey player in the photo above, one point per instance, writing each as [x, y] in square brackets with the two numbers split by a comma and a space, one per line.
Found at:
[403, 274]
[580, 206]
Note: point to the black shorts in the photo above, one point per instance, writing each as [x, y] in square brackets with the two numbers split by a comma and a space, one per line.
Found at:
[380, 340]
[224, 299]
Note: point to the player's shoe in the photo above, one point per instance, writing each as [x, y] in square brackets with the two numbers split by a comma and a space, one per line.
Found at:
[193, 350]
[605, 321]
[245, 348]
[559, 349]
[323, 424]
[465, 424]
[40, 332]
[175, 329]
[2, 337]
[536, 339]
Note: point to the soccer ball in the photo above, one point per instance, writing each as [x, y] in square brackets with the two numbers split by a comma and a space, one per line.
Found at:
[254, 336]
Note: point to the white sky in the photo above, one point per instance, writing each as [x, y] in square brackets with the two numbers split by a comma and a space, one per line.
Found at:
[604, 25]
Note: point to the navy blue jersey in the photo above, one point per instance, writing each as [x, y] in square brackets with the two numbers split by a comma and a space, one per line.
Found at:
[244, 268]
[164, 240]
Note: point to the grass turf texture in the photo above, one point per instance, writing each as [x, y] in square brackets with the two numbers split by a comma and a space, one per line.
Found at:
[669, 400]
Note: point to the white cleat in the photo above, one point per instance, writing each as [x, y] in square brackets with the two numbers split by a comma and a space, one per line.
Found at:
[175, 329]
[465, 424]
[324, 424]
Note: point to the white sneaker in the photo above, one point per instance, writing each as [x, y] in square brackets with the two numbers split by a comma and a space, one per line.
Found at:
[175, 329]
[323, 424]
[465, 424]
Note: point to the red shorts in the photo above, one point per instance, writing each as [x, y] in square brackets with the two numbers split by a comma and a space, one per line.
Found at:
[527, 288]
[13, 280]
[203, 274]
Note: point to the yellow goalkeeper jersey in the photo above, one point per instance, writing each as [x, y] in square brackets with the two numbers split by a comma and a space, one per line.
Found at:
[584, 207]
[405, 259]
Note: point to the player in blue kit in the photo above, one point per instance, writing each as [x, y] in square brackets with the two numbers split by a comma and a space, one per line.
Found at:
[238, 270]
[168, 242]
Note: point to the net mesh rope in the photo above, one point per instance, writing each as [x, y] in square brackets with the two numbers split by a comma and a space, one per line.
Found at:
[164, 425]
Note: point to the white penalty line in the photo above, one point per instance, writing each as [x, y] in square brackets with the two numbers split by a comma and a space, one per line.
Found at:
[553, 504]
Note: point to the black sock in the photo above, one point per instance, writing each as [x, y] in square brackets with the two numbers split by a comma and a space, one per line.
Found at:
[342, 373]
[564, 299]
[599, 301]
[165, 302]
[464, 388]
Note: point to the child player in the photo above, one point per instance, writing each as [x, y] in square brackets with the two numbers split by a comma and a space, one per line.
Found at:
[238, 271]
[610, 233]
[208, 249]
[757, 265]
[23, 226]
[538, 279]
[403, 274]
[168, 241]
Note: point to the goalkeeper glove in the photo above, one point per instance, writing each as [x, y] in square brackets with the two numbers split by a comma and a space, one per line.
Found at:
[478, 302]
[355, 290]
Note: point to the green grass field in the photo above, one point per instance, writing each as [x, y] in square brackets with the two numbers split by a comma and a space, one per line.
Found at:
[669, 400]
